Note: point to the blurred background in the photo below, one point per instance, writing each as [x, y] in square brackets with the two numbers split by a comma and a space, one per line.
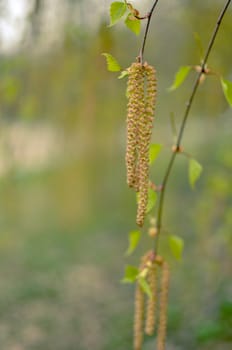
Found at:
[65, 209]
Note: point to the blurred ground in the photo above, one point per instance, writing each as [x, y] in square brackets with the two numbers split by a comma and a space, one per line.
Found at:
[65, 210]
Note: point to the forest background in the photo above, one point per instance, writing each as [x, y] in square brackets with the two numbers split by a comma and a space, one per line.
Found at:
[65, 209]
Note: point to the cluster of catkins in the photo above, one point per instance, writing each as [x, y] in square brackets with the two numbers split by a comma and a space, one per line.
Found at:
[145, 315]
[141, 90]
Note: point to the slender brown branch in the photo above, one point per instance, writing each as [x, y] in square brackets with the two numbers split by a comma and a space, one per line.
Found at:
[149, 15]
[183, 124]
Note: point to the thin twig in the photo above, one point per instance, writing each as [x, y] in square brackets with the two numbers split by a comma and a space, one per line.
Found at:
[183, 124]
[149, 15]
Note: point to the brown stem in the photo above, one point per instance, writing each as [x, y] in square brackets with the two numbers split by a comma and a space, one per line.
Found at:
[184, 120]
[149, 15]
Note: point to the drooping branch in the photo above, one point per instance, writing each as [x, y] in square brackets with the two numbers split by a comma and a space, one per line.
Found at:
[183, 123]
[148, 17]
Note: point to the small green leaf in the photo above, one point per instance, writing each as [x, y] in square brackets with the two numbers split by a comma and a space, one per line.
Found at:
[176, 245]
[195, 170]
[112, 63]
[227, 89]
[152, 197]
[133, 24]
[180, 77]
[130, 275]
[134, 238]
[123, 74]
[154, 150]
[145, 286]
[117, 10]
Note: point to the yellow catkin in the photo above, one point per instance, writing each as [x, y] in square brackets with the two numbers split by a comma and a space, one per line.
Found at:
[161, 334]
[145, 123]
[138, 317]
[151, 302]
[135, 90]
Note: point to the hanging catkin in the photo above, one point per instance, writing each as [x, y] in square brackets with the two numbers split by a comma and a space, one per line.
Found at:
[135, 90]
[151, 302]
[145, 123]
[138, 317]
[161, 335]
[141, 89]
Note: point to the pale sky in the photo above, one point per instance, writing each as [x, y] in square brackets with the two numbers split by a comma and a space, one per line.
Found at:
[12, 23]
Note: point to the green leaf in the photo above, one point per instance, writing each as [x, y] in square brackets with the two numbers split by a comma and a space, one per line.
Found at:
[117, 10]
[130, 275]
[134, 238]
[154, 150]
[112, 63]
[176, 245]
[180, 77]
[133, 24]
[152, 197]
[195, 170]
[227, 89]
[145, 286]
[123, 74]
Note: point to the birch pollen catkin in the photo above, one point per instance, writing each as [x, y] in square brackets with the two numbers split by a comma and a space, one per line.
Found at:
[140, 304]
[135, 107]
[138, 317]
[151, 302]
[140, 111]
[161, 334]
[145, 131]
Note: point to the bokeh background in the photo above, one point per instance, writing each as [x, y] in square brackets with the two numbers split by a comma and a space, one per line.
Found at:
[65, 209]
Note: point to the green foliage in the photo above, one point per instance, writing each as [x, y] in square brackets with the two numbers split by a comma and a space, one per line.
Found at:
[209, 331]
[154, 151]
[219, 329]
[152, 197]
[134, 238]
[226, 312]
[180, 77]
[130, 275]
[195, 170]
[176, 244]
[10, 89]
[145, 286]
[112, 63]
[29, 107]
[123, 74]
[133, 24]
[227, 89]
[117, 10]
